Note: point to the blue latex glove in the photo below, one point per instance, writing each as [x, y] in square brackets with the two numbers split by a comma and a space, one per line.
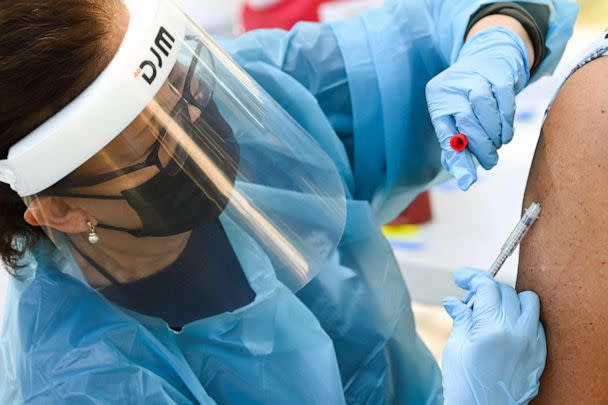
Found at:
[476, 97]
[497, 350]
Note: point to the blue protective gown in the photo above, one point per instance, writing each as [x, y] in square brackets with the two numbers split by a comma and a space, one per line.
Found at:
[349, 336]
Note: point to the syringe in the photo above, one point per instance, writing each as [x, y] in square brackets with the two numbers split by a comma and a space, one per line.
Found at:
[521, 229]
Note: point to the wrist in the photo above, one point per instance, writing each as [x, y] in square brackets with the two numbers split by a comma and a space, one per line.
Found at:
[504, 45]
[509, 23]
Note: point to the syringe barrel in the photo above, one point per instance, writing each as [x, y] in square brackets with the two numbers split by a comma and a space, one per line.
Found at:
[515, 238]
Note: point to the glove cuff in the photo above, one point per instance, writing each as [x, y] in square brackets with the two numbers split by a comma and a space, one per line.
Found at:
[533, 17]
[496, 40]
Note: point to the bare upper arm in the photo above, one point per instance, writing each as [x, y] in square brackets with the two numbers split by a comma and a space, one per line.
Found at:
[565, 257]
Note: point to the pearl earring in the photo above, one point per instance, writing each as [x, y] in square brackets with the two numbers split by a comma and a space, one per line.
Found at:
[93, 237]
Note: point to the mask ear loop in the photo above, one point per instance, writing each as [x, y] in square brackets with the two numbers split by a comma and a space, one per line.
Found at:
[95, 265]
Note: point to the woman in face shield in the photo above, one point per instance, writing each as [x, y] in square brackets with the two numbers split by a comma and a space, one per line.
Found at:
[176, 235]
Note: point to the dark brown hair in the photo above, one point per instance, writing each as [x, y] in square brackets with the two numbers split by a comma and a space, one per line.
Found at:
[50, 51]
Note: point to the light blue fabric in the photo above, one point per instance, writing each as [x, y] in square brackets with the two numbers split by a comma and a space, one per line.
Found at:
[358, 87]
[478, 367]
[62, 343]
[390, 55]
[476, 97]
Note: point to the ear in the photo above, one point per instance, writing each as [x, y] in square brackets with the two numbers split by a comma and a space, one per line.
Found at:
[54, 213]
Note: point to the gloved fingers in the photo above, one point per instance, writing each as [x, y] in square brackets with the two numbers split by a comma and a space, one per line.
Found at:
[486, 110]
[484, 290]
[464, 276]
[459, 164]
[467, 298]
[538, 355]
[487, 296]
[541, 344]
[510, 302]
[530, 312]
[505, 97]
[480, 143]
[456, 309]
[445, 128]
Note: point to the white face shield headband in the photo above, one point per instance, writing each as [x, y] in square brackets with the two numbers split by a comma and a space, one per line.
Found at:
[173, 146]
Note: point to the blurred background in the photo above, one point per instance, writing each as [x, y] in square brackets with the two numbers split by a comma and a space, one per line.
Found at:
[446, 228]
[594, 12]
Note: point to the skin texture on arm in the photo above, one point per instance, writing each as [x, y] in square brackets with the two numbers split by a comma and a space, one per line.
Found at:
[565, 256]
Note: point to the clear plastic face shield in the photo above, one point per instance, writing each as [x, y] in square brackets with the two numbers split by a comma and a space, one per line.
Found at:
[171, 164]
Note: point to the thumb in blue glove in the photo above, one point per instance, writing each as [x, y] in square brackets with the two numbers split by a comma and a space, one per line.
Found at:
[476, 96]
[496, 352]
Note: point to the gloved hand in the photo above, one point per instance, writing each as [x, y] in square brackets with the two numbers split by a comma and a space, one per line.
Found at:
[476, 96]
[496, 352]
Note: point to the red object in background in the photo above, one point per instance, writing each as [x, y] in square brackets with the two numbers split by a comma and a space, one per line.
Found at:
[459, 142]
[282, 15]
[419, 212]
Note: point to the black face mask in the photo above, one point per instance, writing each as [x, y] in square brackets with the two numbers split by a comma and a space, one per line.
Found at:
[206, 279]
[179, 197]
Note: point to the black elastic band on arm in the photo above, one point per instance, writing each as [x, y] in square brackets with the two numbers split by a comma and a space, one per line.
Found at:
[533, 17]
